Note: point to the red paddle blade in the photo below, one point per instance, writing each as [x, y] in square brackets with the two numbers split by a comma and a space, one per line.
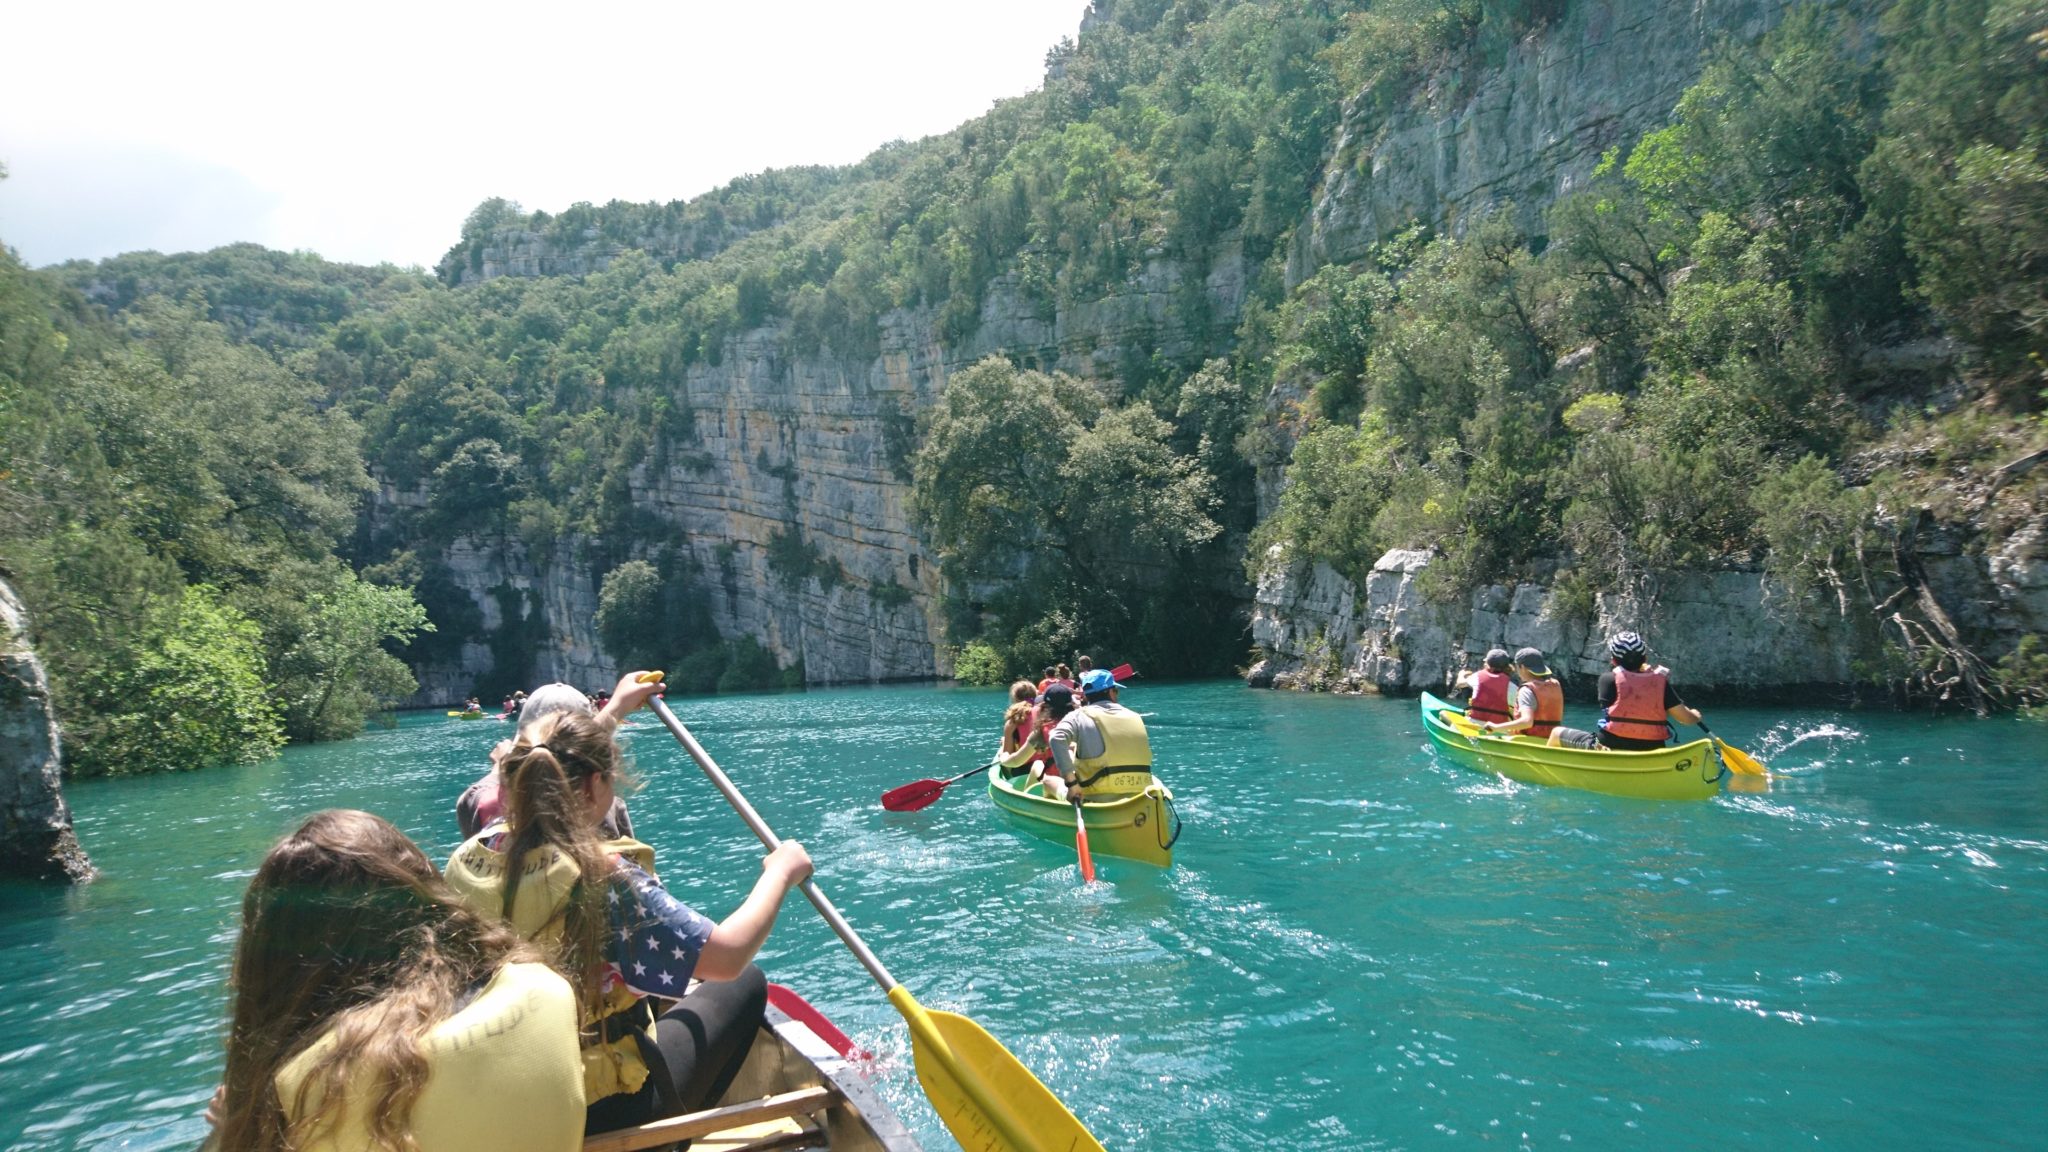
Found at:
[797, 1008]
[1081, 846]
[910, 797]
[1121, 673]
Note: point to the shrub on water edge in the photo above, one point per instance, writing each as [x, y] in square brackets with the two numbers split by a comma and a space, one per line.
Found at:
[749, 667]
[2023, 675]
[978, 663]
[190, 696]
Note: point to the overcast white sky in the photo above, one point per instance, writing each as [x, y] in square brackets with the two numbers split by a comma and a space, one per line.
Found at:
[366, 131]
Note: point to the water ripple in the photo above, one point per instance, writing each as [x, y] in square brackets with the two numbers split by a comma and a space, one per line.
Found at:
[1360, 947]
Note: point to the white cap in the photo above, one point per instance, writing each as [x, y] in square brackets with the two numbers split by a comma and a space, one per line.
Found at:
[549, 699]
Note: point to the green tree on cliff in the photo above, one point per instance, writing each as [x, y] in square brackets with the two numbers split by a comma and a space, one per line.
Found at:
[1063, 521]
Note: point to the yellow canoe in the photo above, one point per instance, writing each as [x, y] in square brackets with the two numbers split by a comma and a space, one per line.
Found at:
[1142, 827]
[1684, 772]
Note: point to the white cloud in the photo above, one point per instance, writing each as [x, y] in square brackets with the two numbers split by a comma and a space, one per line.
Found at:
[367, 131]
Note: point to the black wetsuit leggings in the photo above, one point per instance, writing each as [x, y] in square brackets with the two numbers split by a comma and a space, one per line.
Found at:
[703, 1039]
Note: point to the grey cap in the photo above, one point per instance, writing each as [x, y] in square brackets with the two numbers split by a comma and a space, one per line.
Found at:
[1532, 659]
[549, 699]
[1497, 659]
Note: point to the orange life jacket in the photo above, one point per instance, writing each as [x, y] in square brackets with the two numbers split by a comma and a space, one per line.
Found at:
[1549, 706]
[1489, 698]
[1638, 711]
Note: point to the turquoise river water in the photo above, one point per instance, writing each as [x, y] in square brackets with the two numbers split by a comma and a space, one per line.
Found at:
[1358, 947]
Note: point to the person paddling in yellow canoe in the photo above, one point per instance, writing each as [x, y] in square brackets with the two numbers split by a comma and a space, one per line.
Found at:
[597, 910]
[1539, 700]
[1100, 748]
[1637, 703]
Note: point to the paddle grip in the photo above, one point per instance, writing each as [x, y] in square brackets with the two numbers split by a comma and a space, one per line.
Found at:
[768, 838]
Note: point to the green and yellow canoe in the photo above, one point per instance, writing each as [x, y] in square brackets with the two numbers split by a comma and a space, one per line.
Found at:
[1684, 772]
[1141, 827]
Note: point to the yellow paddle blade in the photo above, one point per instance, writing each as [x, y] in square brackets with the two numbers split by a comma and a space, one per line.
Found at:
[1461, 722]
[989, 1100]
[1741, 761]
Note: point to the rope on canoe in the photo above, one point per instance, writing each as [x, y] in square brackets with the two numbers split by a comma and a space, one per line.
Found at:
[1172, 817]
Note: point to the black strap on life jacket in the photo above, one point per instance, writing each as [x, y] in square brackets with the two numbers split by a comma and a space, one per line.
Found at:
[636, 1022]
[1145, 768]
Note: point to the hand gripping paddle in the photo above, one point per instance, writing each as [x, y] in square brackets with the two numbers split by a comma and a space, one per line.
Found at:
[989, 1100]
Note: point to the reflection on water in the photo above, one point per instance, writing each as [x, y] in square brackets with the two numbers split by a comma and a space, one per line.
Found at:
[1358, 947]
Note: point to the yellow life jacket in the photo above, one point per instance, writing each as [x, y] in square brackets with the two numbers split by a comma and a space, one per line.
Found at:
[502, 1073]
[1125, 766]
[612, 1063]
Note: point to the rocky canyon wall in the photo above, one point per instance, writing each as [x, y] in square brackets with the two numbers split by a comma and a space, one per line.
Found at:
[813, 444]
[1731, 631]
[1524, 132]
[791, 442]
[36, 840]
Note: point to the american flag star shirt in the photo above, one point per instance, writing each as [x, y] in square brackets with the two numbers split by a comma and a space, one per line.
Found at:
[656, 938]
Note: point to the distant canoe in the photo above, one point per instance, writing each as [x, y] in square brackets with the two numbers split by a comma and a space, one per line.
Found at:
[467, 715]
[1142, 827]
[793, 1092]
[1686, 772]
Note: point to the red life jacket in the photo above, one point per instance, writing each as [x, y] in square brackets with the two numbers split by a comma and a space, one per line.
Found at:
[1489, 698]
[1638, 711]
[1549, 706]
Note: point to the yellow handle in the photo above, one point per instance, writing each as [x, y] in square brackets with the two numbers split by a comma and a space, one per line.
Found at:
[654, 677]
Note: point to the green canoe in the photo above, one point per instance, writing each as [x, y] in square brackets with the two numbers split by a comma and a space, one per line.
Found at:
[1685, 772]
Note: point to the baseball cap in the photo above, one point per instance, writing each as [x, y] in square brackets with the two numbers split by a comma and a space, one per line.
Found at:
[549, 699]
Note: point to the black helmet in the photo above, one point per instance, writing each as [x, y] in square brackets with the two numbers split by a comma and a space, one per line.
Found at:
[1624, 646]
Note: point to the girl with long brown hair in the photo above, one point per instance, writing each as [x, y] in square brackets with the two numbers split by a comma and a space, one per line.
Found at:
[607, 924]
[1018, 717]
[372, 1011]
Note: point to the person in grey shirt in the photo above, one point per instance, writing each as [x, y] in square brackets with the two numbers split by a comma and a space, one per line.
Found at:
[1100, 734]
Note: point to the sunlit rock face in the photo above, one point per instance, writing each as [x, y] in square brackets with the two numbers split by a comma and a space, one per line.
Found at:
[1526, 131]
[814, 445]
[811, 444]
[1727, 631]
[35, 825]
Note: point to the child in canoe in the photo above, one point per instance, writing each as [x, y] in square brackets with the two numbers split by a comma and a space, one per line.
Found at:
[604, 920]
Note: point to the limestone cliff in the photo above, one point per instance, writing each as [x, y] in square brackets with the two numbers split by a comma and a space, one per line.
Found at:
[35, 825]
[813, 444]
[1525, 132]
[1731, 631]
[807, 443]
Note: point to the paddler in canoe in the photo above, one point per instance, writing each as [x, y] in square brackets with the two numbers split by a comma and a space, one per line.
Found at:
[482, 803]
[1637, 704]
[596, 909]
[1539, 700]
[1489, 687]
[370, 1007]
[373, 1011]
[1089, 768]
[1099, 747]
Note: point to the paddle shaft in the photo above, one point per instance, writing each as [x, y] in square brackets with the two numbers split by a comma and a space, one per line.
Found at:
[965, 775]
[767, 837]
[1081, 841]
